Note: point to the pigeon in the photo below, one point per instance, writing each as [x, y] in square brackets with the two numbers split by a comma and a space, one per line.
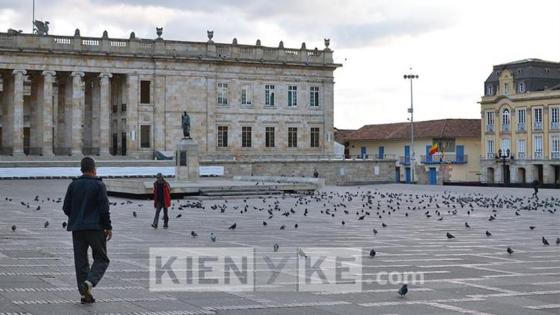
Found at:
[134, 214]
[233, 226]
[194, 234]
[212, 237]
[509, 250]
[13, 228]
[282, 227]
[375, 232]
[403, 290]
[275, 247]
[450, 236]
[64, 224]
[558, 241]
[179, 215]
[372, 253]
[532, 227]
[38, 208]
[301, 253]
[264, 223]
[383, 225]
[488, 234]
[46, 225]
[467, 225]
[545, 241]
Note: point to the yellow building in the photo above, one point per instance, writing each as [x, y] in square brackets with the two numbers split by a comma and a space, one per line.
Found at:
[458, 159]
[521, 123]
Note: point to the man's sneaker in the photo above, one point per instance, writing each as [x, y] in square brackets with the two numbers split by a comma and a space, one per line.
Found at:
[85, 289]
[85, 300]
[154, 226]
[165, 226]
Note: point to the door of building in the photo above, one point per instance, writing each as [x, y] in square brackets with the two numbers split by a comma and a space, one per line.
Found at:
[115, 145]
[398, 174]
[363, 152]
[460, 153]
[123, 143]
[381, 153]
[407, 154]
[432, 176]
[407, 175]
[506, 174]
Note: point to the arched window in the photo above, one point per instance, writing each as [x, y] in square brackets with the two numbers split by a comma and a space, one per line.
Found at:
[521, 87]
[505, 119]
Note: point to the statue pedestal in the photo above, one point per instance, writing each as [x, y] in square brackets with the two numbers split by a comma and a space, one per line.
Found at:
[186, 160]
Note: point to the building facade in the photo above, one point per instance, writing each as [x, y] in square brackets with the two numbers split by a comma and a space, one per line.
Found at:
[520, 113]
[458, 159]
[74, 95]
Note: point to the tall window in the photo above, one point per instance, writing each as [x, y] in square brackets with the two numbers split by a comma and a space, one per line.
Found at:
[506, 88]
[490, 121]
[538, 147]
[314, 137]
[269, 137]
[292, 137]
[314, 96]
[269, 95]
[505, 120]
[245, 95]
[506, 145]
[292, 95]
[222, 93]
[145, 136]
[246, 137]
[521, 113]
[490, 148]
[538, 118]
[222, 136]
[489, 90]
[521, 87]
[145, 92]
[555, 117]
[521, 148]
[555, 146]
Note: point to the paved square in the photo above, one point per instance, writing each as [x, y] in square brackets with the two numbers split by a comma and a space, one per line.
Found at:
[470, 274]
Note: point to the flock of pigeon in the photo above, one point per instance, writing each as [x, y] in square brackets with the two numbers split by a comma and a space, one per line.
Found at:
[341, 208]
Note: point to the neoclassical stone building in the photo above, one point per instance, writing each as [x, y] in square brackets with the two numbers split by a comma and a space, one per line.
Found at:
[73, 95]
[520, 123]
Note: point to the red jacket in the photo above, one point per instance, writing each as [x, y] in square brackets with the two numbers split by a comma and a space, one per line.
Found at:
[166, 195]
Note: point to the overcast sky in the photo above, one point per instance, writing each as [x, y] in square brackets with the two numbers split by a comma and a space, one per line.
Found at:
[451, 45]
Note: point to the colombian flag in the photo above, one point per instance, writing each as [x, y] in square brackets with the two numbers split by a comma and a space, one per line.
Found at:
[434, 149]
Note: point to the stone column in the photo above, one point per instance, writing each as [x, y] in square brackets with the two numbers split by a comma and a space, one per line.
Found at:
[77, 112]
[46, 96]
[104, 113]
[132, 114]
[7, 81]
[35, 115]
[326, 100]
[17, 113]
[159, 113]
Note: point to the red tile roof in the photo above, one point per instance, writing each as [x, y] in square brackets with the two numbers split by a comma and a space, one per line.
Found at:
[442, 128]
[341, 135]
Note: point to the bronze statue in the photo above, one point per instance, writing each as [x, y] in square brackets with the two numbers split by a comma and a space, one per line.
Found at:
[186, 124]
[41, 28]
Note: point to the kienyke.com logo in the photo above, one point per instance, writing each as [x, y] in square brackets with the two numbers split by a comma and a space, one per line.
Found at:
[319, 269]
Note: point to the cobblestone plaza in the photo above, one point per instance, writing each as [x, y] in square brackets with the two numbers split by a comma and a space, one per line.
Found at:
[471, 274]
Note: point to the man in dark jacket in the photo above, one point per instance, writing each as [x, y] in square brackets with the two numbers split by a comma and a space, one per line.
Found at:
[87, 207]
[162, 199]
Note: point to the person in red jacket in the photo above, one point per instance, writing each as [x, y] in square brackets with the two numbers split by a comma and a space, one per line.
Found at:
[162, 199]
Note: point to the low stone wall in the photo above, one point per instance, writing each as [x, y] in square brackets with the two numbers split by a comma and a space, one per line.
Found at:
[332, 171]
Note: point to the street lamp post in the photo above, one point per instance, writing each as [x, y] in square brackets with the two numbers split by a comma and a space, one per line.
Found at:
[411, 111]
[504, 157]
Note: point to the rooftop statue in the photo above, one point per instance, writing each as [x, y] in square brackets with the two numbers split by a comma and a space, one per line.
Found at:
[41, 28]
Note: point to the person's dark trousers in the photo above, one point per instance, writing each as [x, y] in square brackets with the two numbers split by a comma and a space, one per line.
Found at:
[160, 206]
[82, 241]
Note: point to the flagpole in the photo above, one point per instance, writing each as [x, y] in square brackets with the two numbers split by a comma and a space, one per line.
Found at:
[411, 111]
[33, 22]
